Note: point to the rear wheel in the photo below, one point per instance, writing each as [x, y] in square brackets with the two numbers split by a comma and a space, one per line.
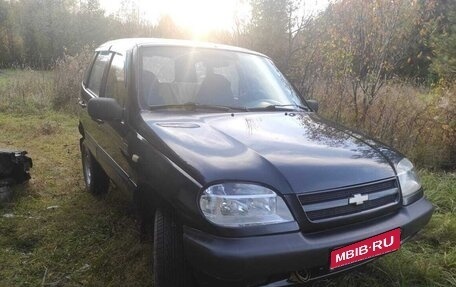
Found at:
[95, 178]
[170, 266]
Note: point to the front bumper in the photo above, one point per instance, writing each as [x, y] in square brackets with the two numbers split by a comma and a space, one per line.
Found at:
[257, 259]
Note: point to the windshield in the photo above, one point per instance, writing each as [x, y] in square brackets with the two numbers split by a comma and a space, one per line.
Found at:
[184, 76]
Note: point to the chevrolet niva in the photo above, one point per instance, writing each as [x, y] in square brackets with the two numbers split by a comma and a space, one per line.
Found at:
[244, 184]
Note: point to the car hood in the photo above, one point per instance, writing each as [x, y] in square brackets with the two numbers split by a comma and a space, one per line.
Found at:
[291, 152]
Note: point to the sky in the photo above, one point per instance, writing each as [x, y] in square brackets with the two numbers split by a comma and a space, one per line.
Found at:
[199, 16]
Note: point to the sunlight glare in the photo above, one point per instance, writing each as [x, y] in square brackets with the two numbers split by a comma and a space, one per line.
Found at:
[198, 16]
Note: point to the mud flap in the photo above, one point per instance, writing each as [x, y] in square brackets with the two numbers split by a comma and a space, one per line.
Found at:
[14, 169]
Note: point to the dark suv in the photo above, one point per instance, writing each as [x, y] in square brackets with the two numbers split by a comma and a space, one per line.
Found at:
[244, 183]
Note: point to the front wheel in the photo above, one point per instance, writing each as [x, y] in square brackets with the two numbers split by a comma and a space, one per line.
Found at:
[170, 266]
[95, 178]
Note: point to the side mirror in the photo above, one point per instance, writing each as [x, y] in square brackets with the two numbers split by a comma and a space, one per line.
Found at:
[105, 109]
[313, 104]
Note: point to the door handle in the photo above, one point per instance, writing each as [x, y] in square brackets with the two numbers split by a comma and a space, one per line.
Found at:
[124, 152]
[134, 157]
[82, 103]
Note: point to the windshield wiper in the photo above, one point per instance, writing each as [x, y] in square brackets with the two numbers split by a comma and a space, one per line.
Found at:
[286, 107]
[194, 106]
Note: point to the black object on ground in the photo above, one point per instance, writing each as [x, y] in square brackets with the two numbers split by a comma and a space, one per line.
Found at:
[14, 169]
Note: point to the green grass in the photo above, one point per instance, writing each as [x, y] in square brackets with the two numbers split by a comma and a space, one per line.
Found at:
[25, 91]
[81, 242]
[54, 233]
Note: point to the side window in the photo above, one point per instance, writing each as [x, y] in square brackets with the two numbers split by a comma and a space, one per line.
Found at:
[87, 71]
[115, 82]
[96, 75]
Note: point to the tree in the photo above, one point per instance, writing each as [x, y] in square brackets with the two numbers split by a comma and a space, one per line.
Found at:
[167, 28]
[444, 43]
[4, 27]
[267, 31]
[362, 43]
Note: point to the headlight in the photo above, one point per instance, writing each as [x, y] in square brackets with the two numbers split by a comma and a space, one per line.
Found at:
[408, 179]
[240, 204]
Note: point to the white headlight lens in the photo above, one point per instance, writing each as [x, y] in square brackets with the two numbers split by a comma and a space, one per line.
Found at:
[240, 204]
[408, 179]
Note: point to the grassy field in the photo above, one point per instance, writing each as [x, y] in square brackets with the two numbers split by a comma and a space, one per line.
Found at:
[25, 91]
[53, 233]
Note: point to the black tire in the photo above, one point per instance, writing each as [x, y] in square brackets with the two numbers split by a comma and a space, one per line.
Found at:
[170, 265]
[95, 178]
[145, 213]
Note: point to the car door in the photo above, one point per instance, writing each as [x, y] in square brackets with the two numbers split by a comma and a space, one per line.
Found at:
[115, 133]
[92, 88]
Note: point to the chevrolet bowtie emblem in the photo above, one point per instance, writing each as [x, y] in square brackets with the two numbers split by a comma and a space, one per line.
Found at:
[358, 199]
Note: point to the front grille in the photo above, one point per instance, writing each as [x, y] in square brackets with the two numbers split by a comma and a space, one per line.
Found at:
[335, 203]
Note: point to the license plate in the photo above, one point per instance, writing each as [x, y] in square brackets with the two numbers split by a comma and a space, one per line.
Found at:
[371, 247]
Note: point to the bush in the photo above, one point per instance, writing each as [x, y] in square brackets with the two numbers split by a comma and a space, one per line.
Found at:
[68, 74]
[418, 121]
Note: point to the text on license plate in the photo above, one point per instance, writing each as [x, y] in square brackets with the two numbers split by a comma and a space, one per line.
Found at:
[371, 247]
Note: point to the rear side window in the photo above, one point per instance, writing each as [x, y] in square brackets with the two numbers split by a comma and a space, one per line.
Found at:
[87, 71]
[96, 75]
[115, 82]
